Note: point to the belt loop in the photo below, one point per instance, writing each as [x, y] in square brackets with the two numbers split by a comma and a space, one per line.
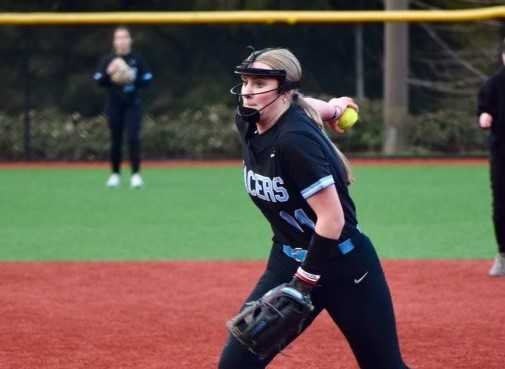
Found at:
[346, 246]
[299, 254]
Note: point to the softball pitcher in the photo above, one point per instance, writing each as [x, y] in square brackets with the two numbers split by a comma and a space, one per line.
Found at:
[320, 259]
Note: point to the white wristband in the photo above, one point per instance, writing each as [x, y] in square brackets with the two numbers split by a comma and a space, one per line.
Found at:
[306, 276]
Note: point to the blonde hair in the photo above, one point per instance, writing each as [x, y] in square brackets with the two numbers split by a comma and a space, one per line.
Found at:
[286, 60]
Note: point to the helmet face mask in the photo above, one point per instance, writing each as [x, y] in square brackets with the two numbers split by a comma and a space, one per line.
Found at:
[244, 69]
[279, 74]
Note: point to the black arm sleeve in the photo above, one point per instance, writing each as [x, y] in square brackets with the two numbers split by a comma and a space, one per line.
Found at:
[488, 98]
[101, 76]
[306, 164]
[144, 74]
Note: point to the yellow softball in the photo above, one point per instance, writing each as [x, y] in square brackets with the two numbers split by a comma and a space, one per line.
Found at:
[348, 118]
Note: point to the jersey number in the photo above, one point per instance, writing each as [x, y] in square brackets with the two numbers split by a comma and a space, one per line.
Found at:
[300, 218]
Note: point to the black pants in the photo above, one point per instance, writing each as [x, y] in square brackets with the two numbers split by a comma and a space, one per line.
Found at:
[124, 116]
[363, 311]
[497, 165]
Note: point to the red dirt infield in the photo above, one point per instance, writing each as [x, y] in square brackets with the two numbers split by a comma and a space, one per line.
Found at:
[232, 163]
[170, 315]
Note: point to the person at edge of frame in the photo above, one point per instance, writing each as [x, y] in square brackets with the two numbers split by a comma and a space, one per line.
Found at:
[491, 117]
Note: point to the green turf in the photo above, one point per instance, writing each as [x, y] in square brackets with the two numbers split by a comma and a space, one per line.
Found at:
[188, 213]
[426, 212]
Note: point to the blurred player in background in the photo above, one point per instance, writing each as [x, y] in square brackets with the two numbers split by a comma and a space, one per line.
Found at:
[491, 112]
[123, 73]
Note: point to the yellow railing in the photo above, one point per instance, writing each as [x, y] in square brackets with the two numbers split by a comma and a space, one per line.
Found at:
[250, 17]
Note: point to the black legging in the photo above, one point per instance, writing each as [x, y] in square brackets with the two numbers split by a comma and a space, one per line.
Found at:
[121, 116]
[498, 188]
[363, 311]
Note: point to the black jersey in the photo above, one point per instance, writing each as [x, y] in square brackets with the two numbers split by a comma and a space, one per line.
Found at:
[124, 93]
[491, 100]
[286, 165]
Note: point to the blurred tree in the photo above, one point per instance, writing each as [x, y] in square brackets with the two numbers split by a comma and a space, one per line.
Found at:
[193, 64]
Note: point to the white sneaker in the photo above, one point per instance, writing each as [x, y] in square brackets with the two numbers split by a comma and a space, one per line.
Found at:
[113, 180]
[136, 181]
[498, 268]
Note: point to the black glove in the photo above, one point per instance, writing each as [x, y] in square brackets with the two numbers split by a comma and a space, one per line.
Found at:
[266, 326]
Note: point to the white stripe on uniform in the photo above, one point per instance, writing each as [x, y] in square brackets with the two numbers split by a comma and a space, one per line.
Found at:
[317, 186]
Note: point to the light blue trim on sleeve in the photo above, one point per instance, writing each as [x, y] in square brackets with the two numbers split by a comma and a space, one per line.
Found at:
[147, 76]
[97, 76]
[318, 186]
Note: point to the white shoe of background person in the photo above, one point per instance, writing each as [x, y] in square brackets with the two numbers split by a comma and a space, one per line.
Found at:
[498, 268]
[136, 181]
[113, 181]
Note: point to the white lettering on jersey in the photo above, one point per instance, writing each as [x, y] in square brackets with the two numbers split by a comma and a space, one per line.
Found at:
[281, 193]
[265, 188]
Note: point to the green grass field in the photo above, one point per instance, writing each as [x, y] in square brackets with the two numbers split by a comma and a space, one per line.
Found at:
[204, 213]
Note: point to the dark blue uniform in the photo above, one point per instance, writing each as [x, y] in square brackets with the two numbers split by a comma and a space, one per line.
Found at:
[123, 109]
[283, 167]
[491, 100]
